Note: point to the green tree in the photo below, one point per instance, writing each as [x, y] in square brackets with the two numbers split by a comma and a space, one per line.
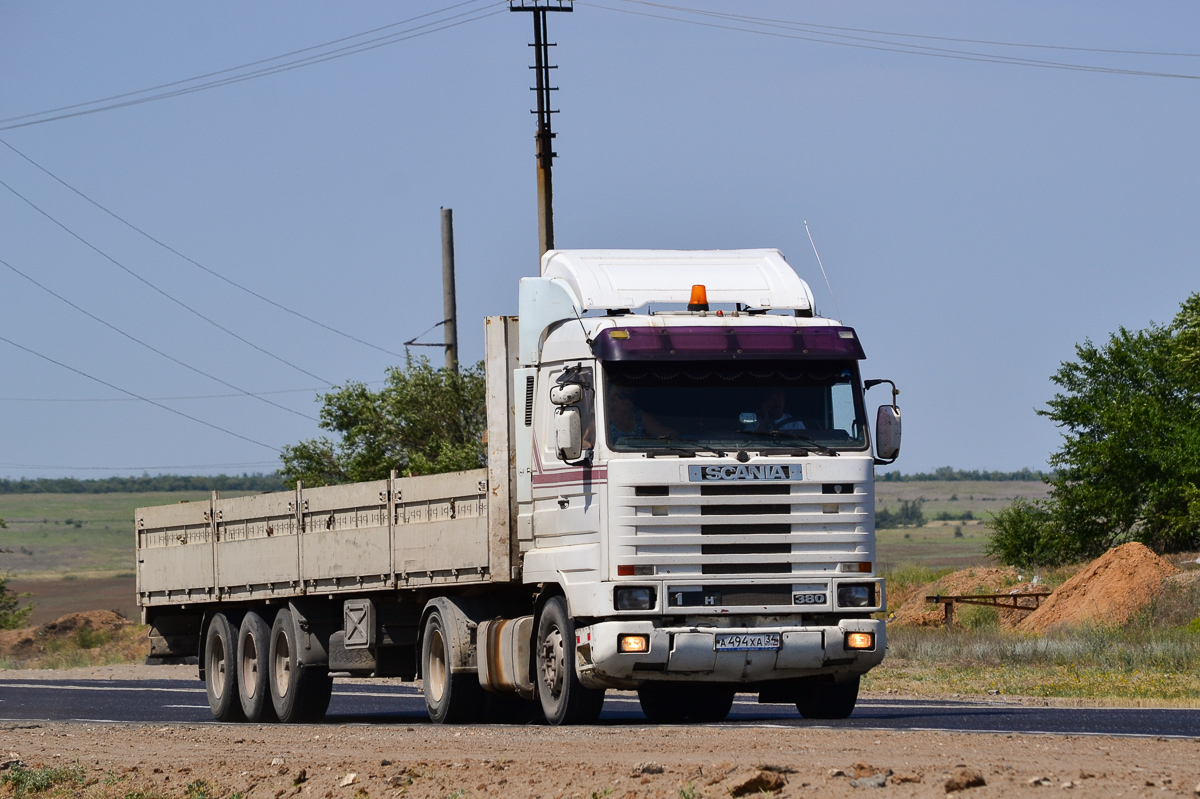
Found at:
[12, 615]
[423, 421]
[1129, 466]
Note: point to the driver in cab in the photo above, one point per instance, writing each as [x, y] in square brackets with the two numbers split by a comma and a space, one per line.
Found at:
[772, 413]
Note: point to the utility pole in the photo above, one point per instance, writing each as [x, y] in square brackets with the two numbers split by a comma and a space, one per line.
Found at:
[544, 137]
[449, 304]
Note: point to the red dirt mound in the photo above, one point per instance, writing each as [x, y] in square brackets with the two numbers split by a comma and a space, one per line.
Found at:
[30, 641]
[916, 612]
[1110, 590]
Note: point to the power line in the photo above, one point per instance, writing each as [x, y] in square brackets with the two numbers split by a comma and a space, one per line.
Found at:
[38, 118]
[143, 280]
[240, 66]
[993, 42]
[136, 468]
[176, 398]
[152, 348]
[862, 43]
[135, 396]
[195, 263]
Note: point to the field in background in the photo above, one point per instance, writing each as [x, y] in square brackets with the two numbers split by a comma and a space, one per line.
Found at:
[74, 552]
[935, 545]
[80, 534]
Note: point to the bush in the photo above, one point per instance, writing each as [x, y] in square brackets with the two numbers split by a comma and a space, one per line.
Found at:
[1023, 535]
[909, 514]
[36, 780]
[12, 614]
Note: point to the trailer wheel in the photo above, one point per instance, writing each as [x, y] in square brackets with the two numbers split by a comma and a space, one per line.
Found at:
[254, 668]
[828, 701]
[299, 693]
[449, 698]
[564, 699]
[220, 670]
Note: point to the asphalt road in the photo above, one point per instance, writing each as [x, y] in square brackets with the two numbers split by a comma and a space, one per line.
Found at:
[165, 701]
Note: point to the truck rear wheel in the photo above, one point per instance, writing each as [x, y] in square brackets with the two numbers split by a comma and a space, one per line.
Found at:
[671, 703]
[449, 698]
[828, 701]
[564, 699]
[299, 693]
[220, 670]
[254, 668]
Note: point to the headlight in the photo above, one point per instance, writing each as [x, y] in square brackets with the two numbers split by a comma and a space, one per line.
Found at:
[860, 641]
[856, 595]
[633, 598]
[633, 643]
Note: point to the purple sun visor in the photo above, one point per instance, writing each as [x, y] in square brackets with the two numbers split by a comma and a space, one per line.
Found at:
[727, 343]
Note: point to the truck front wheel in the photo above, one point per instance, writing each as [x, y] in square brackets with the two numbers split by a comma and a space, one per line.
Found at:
[220, 669]
[671, 703]
[828, 701]
[299, 693]
[449, 698]
[564, 699]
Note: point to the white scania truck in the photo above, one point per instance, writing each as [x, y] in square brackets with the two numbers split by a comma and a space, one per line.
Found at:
[678, 500]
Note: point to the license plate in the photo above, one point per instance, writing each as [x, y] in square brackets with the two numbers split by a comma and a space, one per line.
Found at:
[746, 642]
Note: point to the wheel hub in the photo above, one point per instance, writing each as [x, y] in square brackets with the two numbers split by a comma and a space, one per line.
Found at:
[553, 665]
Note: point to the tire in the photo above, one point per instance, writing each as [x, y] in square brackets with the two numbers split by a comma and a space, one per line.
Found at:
[220, 670]
[254, 669]
[662, 703]
[506, 708]
[299, 693]
[449, 698]
[710, 704]
[828, 701]
[672, 703]
[564, 699]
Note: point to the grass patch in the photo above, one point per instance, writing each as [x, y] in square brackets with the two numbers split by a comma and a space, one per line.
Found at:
[1156, 656]
[83, 533]
[24, 781]
[129, 644]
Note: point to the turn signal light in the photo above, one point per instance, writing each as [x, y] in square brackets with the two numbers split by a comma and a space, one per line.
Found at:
[860, 640]
[699, 300]
[633, 643]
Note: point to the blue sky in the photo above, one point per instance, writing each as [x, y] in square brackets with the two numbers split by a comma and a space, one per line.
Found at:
[976, 219]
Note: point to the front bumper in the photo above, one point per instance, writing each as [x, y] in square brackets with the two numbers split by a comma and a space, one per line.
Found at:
[688, 653]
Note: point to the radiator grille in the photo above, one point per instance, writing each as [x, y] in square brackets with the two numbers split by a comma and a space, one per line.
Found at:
[741, 530]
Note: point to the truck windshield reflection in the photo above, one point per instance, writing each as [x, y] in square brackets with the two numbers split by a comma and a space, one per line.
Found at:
[723, 405]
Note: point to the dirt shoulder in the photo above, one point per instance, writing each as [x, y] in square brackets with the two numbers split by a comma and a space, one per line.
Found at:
[428, 762]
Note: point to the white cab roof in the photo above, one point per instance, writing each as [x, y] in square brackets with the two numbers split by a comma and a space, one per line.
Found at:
[611, 279]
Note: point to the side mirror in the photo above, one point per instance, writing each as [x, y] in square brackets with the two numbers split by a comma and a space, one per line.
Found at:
[566, 394]
[887, 433]
[568, 433]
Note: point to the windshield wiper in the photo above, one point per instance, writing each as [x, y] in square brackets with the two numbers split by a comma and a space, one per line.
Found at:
[792, 436]
[699, 447]
[677, 444]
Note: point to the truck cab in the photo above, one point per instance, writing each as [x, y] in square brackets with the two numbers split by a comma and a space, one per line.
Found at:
[694, 479]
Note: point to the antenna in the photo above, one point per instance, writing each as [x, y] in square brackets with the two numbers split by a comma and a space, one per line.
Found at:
[831, 294]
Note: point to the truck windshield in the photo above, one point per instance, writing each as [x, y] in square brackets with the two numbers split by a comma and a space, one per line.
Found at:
[723, 405]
